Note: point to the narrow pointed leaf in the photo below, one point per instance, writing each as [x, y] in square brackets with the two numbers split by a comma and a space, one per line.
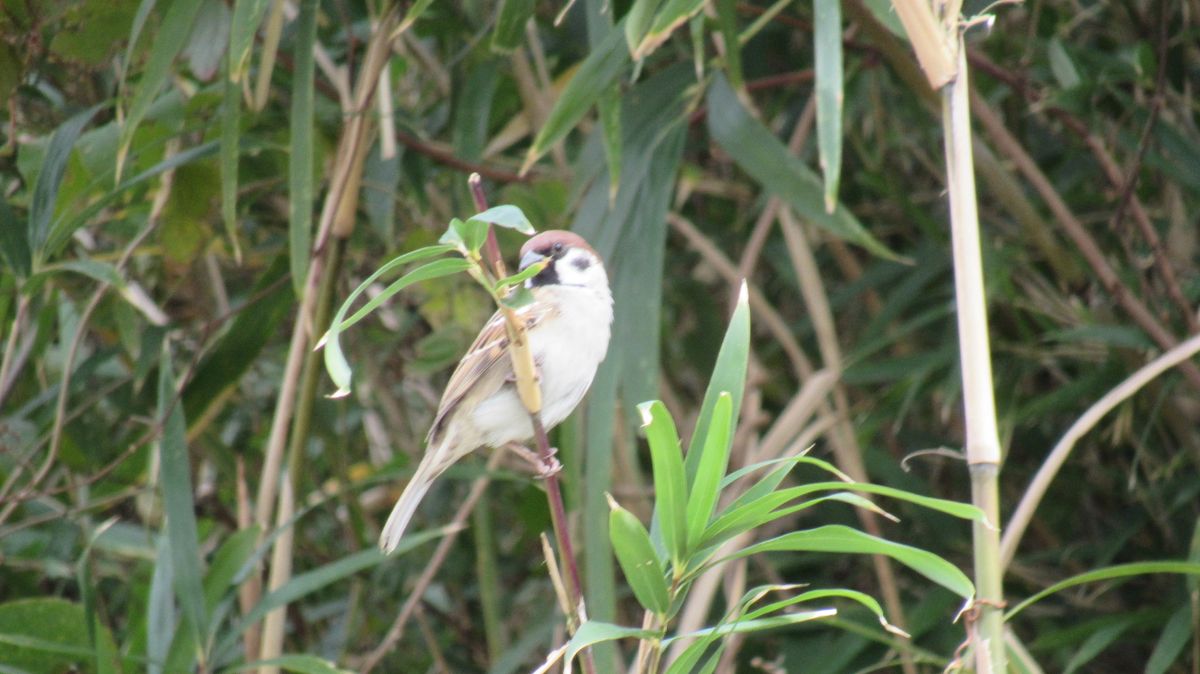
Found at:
[638, 20]
[231, 113]
[640, 563]
[594, 632]
[598, 72]
[727, 23]
[765, 158]
[714, 459]
[510, 25]
[301, 664]
[841, 539]
[64, 226]
[729, 376]
[335, 360]
[169, 40]
[672, 15]
[1107, 573]
[670, 485]
[827, 43]
[247, 15]
[506, 215]
[176, 484]
[49, 179]
[300, 163]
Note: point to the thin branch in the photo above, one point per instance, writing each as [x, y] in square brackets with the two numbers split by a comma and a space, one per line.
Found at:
[1008, 145]
[530, 394]
[1116, 177]
[456, 526]
[1033, 494]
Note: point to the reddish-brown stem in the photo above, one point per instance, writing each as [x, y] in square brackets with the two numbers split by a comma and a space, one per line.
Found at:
[558, 511]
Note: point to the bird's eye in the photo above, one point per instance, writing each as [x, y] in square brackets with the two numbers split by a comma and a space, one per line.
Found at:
[558, 247]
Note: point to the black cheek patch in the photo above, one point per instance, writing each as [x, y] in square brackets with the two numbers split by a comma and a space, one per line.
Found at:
[581, 263]
[546, 277]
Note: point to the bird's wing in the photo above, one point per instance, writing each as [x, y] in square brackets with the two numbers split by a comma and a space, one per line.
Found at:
[486, 366]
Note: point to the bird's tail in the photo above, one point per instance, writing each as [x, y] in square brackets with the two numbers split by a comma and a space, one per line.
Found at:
[431, 466]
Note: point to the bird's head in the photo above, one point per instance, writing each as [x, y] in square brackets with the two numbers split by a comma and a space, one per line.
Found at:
[572, 262]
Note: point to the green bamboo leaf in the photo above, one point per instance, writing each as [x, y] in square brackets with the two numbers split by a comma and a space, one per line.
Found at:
[231, 113]
[595, 76]
[727, 24]
[14, 242]
[415, 10]
[169, 40]
[135, 32]
[105, 656]
[508, 216]
[311, 581]
[236, 351]
[788, 462]
[841, 539]
[714, 460]
[690, 657]
[746, 515]
[742, 626]
[247, 15]
[473, 109]
[670, 486]
[226, 562]
[729, 376]
[96, 270]
[861, 598]
[1108, 573]
[1174, 638]
[468, 237]
[827, 43]
[520, 277]
[63, 227]
[759, 153]
[322, 576]
[510, 25]
[609, 106]
[335, 360]
[638, 20]
[591, 633]
[640, 563]
[1098, 641]
[176, 484]
[160, 607]
[49, 179]
[47, 634]
[300, 162]
[673, 14]
[301, 664]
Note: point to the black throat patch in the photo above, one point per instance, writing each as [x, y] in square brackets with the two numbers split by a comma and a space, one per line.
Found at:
[546, 277]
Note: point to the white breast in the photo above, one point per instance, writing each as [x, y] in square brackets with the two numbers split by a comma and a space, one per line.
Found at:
[568, 348]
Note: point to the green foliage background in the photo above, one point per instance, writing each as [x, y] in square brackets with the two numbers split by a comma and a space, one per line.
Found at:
[156, 229]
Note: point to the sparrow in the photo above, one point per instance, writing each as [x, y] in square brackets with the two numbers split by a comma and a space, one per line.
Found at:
[568, 324]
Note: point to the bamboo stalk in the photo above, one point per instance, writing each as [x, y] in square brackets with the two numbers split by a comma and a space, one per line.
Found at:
[982, 438]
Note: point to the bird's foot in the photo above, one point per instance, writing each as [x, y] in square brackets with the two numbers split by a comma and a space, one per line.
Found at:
[543, 466]
[549, 465]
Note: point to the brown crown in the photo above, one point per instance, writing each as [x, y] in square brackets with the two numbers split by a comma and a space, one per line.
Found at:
[544, 242]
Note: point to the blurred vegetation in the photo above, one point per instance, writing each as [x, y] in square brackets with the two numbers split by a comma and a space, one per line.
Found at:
[181, 179]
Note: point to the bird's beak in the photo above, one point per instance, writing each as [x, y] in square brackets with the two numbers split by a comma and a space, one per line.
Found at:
[532, 257]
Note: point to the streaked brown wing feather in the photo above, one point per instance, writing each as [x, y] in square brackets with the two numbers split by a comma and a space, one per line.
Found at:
[474, 374]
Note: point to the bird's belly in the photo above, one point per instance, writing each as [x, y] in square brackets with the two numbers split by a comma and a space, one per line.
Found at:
[567, 358]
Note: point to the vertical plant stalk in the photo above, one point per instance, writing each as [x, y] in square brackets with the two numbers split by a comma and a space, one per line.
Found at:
[336, 222]
[281, 554]
[531, 398]
[982, 438]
